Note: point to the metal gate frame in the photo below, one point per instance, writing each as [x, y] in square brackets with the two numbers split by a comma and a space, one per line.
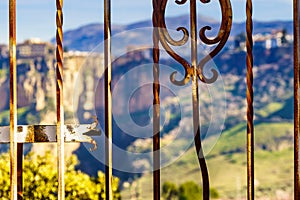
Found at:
[193, 70]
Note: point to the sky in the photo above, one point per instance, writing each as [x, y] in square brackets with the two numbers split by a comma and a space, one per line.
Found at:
[36, 18]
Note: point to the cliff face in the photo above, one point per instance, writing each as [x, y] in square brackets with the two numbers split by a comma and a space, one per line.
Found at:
[81, 72]
[132, 83]
[35, 81]
[36, 78]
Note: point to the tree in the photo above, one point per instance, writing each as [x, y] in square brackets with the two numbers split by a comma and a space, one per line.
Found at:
[214, 193]
[40, 179]
[190, 191]
[169, 191]
[186, 191]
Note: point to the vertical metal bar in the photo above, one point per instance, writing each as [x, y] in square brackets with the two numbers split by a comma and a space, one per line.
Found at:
[13, 101]
[156, 105]
[59, 100]
[249, 94]
[20, 170]
[296, 98]
[108, 99]
[195, 100]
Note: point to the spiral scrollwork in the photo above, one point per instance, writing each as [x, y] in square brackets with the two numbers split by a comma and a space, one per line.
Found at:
[220, 40]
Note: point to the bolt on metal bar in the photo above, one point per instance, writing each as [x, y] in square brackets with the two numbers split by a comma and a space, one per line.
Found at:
[59, 100]
[108, 99]
[249, 94]
[156, 105]
[296, 97]
[13, 101]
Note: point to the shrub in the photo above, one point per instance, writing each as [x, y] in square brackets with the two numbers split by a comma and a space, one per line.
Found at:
[40, 179]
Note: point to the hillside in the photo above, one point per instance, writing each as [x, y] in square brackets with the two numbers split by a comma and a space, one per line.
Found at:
[227, 164]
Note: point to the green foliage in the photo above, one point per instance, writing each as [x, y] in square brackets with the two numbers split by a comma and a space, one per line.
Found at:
[40, 179]
[214, 194]
[187, 191]
[4, 176]
[169, 190]
[190, 191]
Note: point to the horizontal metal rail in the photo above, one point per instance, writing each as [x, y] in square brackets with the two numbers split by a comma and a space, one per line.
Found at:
[47, 133]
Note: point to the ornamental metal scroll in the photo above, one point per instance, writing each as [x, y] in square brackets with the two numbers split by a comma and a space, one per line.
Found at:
[193, 69]
[166, 40]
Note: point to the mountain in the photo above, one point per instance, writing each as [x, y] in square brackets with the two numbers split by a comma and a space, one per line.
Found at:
[86, 38]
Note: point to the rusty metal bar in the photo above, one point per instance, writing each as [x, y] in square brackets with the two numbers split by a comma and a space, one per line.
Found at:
[13, 101]
[108, 100]
[296, 98]
[47, 133]
[249, 94]
[195, 100]
[20, 170]
[156, 104]
[59, 100]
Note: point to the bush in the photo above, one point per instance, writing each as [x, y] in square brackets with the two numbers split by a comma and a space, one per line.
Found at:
[169, 191]
[40, 179]
[186, 191]
[190, 191]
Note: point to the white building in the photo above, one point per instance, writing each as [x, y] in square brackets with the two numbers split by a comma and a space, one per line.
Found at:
[34, 48]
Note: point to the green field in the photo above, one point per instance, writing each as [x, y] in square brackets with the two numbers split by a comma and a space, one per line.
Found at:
[227, 164]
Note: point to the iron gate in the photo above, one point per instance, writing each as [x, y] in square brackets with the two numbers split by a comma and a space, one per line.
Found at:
[193, 70]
